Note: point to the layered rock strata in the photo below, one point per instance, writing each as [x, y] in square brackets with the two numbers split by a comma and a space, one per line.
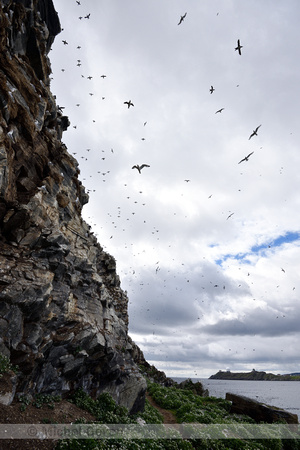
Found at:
[63, 315]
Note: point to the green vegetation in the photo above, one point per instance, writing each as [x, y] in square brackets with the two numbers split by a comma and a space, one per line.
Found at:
[39, 400]
[187, 407]
[106, 411]
[6, 366]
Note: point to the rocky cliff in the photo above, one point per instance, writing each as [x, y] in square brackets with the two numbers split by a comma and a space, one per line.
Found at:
[63, 315]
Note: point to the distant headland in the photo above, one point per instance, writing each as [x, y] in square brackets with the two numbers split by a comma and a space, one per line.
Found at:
[254, 375]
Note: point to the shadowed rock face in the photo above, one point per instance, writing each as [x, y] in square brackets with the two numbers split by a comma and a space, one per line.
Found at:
[63, 315]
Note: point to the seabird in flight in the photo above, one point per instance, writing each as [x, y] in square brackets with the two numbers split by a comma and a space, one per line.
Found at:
[129, 103]
[254, 132]
[239, 47]
[182, 19]
[139, 168]
[219, 110]
[212, 89]
[246, 158]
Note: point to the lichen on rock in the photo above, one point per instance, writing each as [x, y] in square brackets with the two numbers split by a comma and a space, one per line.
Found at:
[63, 314]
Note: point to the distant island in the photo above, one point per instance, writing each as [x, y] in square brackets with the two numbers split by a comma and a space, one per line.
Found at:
[254, 375]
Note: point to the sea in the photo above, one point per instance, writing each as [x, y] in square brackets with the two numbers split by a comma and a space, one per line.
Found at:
[282, 394]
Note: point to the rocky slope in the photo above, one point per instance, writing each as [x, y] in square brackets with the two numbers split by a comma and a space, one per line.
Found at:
[63, 315]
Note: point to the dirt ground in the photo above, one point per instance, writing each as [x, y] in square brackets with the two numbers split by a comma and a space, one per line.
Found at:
[167, 415]
[63, 412]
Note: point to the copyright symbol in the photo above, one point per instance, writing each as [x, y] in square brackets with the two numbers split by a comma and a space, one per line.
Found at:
[32, 431]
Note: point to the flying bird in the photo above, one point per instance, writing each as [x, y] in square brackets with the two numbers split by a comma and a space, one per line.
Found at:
[219, 110]
[246, 158]
[229, 216]
[182, 19]
[212, 89]
[139, 168]
[65, 42]
[129, 103]
[239, 47]
[254, 132]
[103, 76]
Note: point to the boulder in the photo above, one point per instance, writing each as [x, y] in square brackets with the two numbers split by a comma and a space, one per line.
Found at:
[8, 384]
[260, 412]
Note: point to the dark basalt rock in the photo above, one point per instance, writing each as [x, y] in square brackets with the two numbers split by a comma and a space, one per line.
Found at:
[259, 411]
[63, 315]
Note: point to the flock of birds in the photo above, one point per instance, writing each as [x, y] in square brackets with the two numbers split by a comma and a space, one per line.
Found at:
[130, 104]
[106, 155]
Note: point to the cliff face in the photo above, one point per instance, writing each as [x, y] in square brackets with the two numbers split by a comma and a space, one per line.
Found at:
[63, 315]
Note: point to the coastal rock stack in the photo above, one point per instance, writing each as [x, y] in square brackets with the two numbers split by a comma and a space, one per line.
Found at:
[63, 315]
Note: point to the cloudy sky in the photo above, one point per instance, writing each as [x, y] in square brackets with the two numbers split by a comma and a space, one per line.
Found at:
[207, 247]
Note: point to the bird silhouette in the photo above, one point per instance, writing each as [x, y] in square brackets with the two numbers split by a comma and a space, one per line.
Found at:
[182, 19]
[239, 47]
[254, 133]
[246, 158]
[212, 89]
[129, 103]
[219, 110]
[139, 168]
[229, 216]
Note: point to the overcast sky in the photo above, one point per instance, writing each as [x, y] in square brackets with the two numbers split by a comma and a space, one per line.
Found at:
[207, 247]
